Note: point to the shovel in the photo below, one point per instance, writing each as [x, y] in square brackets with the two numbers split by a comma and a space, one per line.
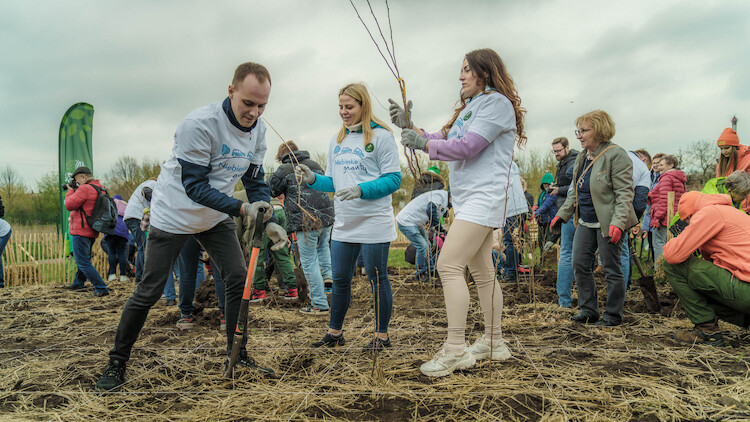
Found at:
[241, 329]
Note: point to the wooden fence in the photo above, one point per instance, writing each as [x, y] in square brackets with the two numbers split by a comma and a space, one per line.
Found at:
[38, 257]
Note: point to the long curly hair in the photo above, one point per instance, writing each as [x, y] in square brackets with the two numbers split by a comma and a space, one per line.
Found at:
[490, 71]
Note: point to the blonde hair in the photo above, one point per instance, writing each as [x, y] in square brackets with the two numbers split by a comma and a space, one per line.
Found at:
[359, 92]
[604, 127]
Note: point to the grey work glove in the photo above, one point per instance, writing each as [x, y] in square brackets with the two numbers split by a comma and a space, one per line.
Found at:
[304, 173]
[353, 192]
[251, 211]
[398, 116]
[413, 140]
[277, 235]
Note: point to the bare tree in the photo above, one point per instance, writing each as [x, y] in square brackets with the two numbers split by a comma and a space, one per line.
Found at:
[10, 184]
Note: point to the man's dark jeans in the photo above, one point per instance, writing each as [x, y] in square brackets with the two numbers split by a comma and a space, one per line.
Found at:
[134, 225]
[162, 251]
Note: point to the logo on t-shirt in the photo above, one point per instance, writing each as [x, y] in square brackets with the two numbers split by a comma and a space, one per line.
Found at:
[468, 116]
[369, 147]
[224, 149]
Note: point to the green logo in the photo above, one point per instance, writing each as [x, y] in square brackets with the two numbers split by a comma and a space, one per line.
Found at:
[467, 117]
[369, 147]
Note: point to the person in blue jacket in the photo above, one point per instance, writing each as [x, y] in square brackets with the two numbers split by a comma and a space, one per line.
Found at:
[363, 170]
[545, 210]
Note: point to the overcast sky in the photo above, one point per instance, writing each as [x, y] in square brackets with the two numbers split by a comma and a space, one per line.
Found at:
[668, 72]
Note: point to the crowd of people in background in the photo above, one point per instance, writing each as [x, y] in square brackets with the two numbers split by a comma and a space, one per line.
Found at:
[596, 204]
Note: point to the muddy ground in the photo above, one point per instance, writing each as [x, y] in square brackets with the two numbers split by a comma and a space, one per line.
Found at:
[54, 344]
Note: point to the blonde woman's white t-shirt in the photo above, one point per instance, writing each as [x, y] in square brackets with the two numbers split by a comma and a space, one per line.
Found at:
[351, 163]
[480, 184]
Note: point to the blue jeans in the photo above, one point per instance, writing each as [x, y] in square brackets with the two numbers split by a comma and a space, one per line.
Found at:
[497, 261]
[313, 251]
[3, 242]
[191, 275]
[424, 261]
[565, 265]
[82, 255]
[511, 256]
[625, 259]
[134, 225]
[170, 293]
[117, 253]
[375, 256]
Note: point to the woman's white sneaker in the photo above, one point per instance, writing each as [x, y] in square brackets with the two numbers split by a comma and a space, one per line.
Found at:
[444, 363]
[481, 349]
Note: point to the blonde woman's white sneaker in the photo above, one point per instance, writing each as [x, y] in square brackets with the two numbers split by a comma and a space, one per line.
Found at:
[124, 278]
[481, 349]
[112, 277]
[444, 363]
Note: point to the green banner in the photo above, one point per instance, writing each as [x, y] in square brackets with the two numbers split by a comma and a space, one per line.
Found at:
[74, 149]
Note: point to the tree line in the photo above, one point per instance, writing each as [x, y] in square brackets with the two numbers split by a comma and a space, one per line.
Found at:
[39, 203]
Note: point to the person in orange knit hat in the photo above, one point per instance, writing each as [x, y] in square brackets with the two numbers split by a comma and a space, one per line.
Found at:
[716, 286]
[733, 155]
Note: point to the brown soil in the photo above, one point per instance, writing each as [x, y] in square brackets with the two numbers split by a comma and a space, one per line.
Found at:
[55, 344]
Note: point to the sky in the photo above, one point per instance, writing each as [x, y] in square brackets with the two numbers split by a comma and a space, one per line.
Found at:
[668, 72]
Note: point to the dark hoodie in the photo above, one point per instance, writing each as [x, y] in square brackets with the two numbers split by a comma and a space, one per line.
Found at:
[315, 202]
[564, 177]
[427, 181]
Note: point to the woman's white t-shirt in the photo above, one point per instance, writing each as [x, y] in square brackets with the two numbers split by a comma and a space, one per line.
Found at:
[480, 184]
[351, 163]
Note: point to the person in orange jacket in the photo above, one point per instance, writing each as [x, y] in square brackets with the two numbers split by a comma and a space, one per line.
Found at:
[716, 285]
[733, 155]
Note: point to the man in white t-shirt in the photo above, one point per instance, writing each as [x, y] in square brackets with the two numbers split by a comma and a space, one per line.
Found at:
[214, 147]
[133, 214]
[421, 214]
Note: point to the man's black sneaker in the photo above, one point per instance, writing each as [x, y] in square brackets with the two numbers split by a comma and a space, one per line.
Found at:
[377, 344]
[74, 287]
[329, 340]
[113, 376]
[248, 362]
[99, 293]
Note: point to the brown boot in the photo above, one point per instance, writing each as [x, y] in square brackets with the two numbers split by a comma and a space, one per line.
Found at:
[705, 333]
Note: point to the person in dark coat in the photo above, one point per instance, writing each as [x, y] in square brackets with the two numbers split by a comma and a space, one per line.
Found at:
[565, 157]
[311, 219]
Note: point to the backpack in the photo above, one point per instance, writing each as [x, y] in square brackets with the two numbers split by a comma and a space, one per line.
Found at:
[104, 216]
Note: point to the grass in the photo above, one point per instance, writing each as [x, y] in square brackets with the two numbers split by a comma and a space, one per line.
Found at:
[396, 258]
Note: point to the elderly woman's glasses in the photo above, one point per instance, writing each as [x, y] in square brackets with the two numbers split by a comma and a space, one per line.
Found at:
[580, 132]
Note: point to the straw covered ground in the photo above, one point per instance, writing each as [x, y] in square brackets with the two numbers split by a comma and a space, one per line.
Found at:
[54, 343]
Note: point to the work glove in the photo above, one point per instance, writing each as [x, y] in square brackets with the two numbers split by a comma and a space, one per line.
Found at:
[555, 226]
[304, 173]
[353, 192]
[614, 234]
[534, 208]
[398, 116]
[413, 140]
[251, 211]
[277, 235]
[654, 223]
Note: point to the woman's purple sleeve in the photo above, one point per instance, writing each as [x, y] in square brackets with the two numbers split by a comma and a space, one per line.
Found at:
[436, 135]
[455, 149]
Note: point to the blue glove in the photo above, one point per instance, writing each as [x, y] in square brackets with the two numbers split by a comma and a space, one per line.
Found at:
[413, 140]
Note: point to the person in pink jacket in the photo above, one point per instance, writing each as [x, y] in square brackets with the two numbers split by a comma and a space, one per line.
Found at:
[670, 180]
[715, 285]
[80, 200]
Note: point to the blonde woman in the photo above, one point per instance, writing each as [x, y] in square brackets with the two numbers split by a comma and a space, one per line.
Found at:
[363, 170]
[478, 142]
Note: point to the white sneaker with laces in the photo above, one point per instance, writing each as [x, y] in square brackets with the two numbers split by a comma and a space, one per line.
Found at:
[124, 278]
[444, 363]
[112, 277]
[481, 349]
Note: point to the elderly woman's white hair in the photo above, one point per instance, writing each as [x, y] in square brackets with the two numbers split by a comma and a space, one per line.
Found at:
[738, 183]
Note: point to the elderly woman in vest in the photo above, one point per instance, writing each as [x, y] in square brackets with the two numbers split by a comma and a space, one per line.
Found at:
[601, 204]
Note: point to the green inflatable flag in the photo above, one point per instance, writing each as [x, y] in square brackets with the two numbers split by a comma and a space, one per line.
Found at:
[74, 149]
